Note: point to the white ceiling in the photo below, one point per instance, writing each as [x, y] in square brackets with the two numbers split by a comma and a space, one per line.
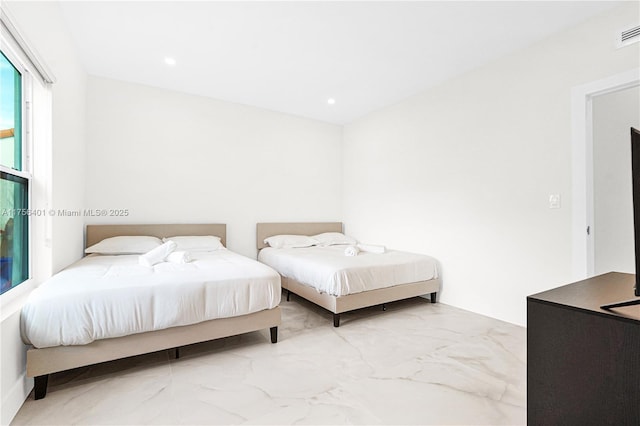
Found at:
[292, 56]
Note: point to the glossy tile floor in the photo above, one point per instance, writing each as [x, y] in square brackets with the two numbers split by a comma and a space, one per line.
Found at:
[415, 363]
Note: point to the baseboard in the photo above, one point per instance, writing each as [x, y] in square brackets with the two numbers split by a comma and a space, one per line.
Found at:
[13, 400]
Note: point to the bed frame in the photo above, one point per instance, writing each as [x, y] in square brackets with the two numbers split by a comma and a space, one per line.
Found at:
[42, 362]
[335, 304]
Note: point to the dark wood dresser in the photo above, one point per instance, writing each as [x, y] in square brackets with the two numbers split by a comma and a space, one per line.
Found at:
[583, 362]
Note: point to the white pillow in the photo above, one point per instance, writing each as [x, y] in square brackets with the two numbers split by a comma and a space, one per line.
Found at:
[290, 241]
[196, 242]
[125, 245]
[333, 238]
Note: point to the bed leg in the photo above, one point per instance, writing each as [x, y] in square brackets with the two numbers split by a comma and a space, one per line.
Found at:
[336, 320]
[384, 306]
[40, 386]
[176, 353]
[433, 297]
[288, 295]
[274, 334]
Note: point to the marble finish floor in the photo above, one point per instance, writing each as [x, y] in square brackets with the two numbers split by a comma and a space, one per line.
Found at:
[415, 363]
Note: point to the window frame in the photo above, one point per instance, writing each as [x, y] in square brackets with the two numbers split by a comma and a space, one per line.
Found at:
[12, 51]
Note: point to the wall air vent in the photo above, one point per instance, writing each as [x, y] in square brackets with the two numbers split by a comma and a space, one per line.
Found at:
[628, 36]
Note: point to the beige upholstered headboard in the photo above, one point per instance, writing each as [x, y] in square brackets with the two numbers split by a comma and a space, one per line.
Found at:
[264, 230]
[97, 233]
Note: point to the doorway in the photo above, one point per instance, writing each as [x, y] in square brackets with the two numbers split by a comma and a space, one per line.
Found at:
[613, 235]
[583, 207]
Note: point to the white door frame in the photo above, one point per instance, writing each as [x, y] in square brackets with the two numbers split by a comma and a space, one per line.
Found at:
[582, 164]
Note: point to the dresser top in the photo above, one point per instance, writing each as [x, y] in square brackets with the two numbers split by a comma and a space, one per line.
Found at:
[590, 294]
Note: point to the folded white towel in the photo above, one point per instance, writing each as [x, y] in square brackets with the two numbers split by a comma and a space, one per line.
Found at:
[351, 251]
[157, 255]
[371, 248]
[179, 257]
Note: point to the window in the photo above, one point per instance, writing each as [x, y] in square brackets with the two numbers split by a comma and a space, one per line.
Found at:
[15, 176]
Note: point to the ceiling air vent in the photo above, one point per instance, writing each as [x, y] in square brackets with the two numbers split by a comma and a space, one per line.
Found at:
[628, 36]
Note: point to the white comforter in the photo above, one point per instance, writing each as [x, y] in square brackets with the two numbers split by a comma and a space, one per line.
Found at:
[100, 297]
[328, 270]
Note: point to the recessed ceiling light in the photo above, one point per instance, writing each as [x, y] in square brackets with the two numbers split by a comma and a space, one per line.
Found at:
[331, 101]
[169, 61]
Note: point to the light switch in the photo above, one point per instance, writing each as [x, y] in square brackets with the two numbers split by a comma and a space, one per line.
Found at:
[554, 201]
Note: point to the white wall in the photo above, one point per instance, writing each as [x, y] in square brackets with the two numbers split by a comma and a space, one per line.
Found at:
[58, 242]
[463, 171]
[613, 115]
[169, 157]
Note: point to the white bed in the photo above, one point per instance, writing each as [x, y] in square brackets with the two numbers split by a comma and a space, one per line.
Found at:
[101, 297]
[107, 307]
[328, 270]
[339, 283]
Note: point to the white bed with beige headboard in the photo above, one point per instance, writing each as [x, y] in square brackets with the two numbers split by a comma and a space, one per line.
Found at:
[340, 283]
[108, 306]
